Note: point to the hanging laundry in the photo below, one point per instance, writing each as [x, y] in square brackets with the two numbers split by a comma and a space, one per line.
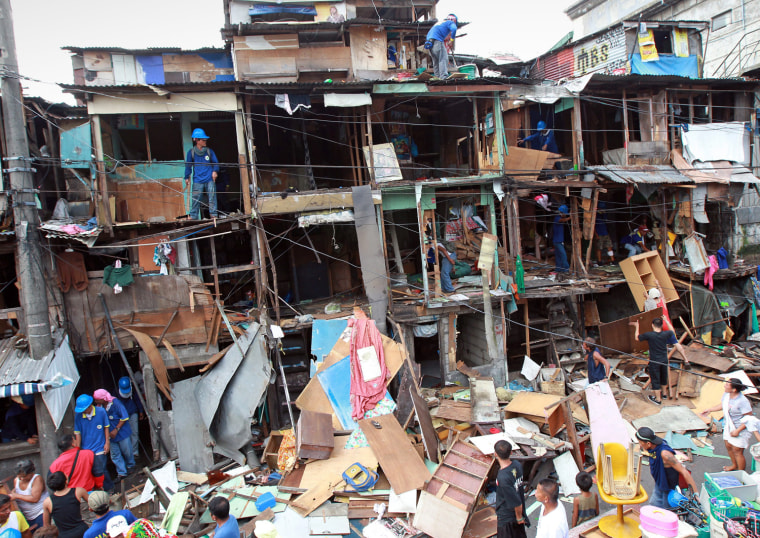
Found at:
[722, 257]
[368, 370]
[710, 271]
[117, 276]
[164, 256]
[71, 271]
[292, 103]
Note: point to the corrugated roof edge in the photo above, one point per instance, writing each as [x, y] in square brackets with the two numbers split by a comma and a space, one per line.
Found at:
[149, 50]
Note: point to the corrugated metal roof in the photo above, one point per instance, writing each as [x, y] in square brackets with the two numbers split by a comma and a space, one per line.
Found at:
[144, 87]
[17, 366]
[653, 174]
[278, 27]
[147, 51]
[628, 79]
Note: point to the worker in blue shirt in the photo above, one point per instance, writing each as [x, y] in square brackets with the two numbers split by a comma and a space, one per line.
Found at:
[226, 524]
[119, 432]
[436, 41]
[542, 139]
[91, 432]
[558, 238]
[134, 408]
[201, 161]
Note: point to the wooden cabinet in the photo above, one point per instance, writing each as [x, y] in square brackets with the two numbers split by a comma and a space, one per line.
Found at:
[642, 272]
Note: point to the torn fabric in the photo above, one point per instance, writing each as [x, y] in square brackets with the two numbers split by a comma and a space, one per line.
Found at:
[291, 103]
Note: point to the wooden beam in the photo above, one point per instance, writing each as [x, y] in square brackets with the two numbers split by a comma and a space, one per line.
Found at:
[301, 202]
[594, 204]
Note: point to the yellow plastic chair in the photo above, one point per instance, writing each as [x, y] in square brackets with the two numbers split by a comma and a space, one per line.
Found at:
[614, 459]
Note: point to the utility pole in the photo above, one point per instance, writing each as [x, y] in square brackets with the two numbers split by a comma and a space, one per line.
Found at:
[17, 165]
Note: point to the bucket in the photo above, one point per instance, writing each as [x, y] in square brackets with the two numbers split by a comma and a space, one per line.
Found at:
[471, 70]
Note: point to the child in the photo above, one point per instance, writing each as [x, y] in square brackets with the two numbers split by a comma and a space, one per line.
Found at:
[585, 505]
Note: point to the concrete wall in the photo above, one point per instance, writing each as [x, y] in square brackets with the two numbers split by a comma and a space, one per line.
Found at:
[745, 18]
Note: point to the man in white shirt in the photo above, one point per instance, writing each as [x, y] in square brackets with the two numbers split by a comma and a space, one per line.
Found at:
[552, 523]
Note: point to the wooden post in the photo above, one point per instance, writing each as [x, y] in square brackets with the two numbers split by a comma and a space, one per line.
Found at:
[505, 238]
[430, 214]
[493, 350]
[578, 156]
[498, 124]
[476, 136]
[423, 251]
[370, 143]
[594, 204]
[214, 268]
[526, 322]
[394, 244]
[350, 136]
[103, 206]
[664, 229]
[241, 147]
[626, 134]
[575, 232]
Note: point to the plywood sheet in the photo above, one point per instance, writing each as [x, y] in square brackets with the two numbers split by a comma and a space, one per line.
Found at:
[618, 335]
[141, 200]
[674, 418]
[709, 396]
[485, 404]
[400, 462]
[637, 406]
[525, 159]
[341, 459]
[369, 49]
[607, 426]
[567, 470]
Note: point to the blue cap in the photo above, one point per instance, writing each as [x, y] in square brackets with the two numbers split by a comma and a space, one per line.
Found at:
[563, 209]
[83, 403]
[125, 387]
[541, 125]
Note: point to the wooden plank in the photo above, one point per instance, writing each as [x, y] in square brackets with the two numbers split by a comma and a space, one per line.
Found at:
[485, 404]
[313, 498]
[429, 435]
[702, 356]
[607, 426]
[401, 464]
[298, 202]
[454, 410]
[159, 368]
[439, 518]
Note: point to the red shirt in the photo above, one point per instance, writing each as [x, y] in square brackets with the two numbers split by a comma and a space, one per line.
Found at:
[82, 475]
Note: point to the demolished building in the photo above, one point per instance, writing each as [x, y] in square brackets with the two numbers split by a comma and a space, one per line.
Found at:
[342, 167]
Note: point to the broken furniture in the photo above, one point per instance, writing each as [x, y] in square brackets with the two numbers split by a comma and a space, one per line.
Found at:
[314, 437]
[619, 465]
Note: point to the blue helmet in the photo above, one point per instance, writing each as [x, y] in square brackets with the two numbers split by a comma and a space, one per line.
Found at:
[541, 125]
[563, 209]
[199, 133]
[83, 403]
[125, 387]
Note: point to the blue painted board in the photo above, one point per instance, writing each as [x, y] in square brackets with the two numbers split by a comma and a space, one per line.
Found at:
[336, 382]
[324, 335]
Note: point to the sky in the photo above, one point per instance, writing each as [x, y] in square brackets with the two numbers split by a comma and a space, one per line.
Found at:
[42, 27]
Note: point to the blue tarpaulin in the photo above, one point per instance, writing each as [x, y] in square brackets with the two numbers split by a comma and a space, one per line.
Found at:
[666, 65]
[272, 9]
